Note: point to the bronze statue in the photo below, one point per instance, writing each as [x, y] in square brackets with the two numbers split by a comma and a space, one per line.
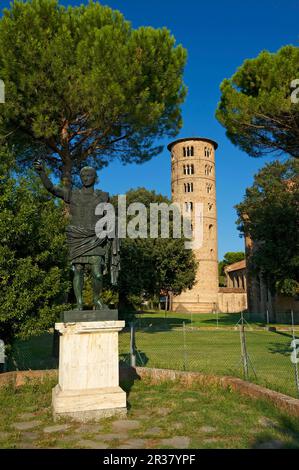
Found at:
[85, 247]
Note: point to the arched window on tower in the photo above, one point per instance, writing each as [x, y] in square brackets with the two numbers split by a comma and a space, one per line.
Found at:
[184, 151]
[210, 230]
[192, 170]
[209, 188]
[192, 151]
[207, 152]
[185, 187]
[188, 206]
[208, 169]
[185, 170]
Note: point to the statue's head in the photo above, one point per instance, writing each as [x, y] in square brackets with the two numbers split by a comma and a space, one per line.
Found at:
[88, 176]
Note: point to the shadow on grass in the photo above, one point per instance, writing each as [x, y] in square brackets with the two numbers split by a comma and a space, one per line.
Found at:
[280, 348]
[141, 359]
[287, 427]
[231, 319]
[154, 324]
[127, 378]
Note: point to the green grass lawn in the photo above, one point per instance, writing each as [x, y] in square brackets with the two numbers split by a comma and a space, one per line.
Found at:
[207, 320]
[213, 351]
[218, 352]
[204, 416]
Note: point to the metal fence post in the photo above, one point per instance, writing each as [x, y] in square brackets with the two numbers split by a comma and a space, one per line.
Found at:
[244, 354]
[2, 356]
[185, 348]
[132, 345]
[296, 363]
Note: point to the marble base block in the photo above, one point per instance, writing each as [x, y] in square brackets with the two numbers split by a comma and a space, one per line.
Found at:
[88, 405]
[88, 387]
[88, 315]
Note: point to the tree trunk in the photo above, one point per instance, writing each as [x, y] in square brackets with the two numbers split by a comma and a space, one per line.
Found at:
[67, 179]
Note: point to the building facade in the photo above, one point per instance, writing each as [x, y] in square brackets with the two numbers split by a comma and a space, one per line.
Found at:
[261, 301]
[236, 275]
[193, 180]
[233, 297]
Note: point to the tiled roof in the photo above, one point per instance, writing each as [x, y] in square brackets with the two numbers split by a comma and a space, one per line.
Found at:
[236, 266]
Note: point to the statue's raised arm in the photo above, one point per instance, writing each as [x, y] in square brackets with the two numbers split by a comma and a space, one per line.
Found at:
[57, 191]
[85, 247]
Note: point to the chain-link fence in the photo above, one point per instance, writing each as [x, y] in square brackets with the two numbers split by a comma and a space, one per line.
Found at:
[219, 344]
[36, 353]
[264, 355]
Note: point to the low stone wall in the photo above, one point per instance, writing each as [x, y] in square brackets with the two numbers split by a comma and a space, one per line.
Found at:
[232, 300]
[285, 403]
[21, 377]
[193, 307]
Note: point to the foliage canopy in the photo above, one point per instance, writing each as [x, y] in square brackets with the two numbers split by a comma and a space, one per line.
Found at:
[152, 265]
[269, 214]
[34, 271]
[83, 86]
[256, 107]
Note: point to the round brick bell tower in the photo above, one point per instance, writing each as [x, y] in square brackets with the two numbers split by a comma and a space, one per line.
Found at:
[194, 181]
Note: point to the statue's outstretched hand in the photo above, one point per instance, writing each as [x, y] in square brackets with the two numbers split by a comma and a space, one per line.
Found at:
[38, 166]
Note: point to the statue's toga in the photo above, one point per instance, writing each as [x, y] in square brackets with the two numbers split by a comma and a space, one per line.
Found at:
[85, 247]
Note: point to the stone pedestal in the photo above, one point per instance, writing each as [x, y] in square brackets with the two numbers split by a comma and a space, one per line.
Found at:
[88, 387]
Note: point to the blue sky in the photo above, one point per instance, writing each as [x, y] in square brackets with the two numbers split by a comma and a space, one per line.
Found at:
[219, 35]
